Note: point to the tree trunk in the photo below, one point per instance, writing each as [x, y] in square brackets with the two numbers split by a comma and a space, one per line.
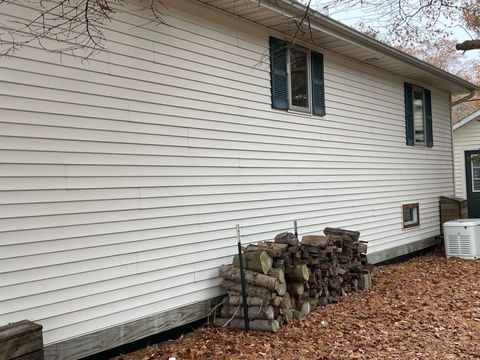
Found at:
[254, 312]
[258, 325]
[254, 278]
[468, 45]
[258, 261]
[297, 273]
[251, 301]
[253, 291]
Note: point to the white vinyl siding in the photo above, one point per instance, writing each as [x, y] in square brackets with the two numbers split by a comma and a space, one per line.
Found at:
[122, 178]
[466, 137]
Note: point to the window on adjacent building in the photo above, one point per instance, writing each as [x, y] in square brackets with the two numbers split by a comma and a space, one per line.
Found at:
[475, 173]
[297, 79]
[411, 216]
[418, 115]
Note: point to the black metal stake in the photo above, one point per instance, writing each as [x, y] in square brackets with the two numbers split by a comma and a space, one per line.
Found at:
[295, 230]
[242, 279]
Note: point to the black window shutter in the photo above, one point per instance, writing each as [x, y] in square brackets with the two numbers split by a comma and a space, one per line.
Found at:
[278, 73]
[428, 118]
[318, 84]
[409, 127]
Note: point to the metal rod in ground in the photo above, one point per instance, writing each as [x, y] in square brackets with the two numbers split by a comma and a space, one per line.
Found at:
[295, 230]
[242, 279]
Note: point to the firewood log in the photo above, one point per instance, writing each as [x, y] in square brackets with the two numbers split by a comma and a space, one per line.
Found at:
[297, 314]
[315, 240]
[295, 289]
[273, 252]
[276, 301]
[362, 247]
[229, 272]
[356, 267]
[297, 273]
[277, 274]
[286, 302]
[253, 291]
[323, 300]
[279, 264]
[287, 314]
[251, 301]
[304, 306]
[258, 325]
[282, 289]
[258, 261]
[286, 238]
[354, 235]
[254, 312]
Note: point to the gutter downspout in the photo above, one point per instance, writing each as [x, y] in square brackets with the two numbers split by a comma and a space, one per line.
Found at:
[465, 98]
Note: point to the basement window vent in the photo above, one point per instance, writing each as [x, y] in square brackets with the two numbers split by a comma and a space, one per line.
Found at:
[411, 215]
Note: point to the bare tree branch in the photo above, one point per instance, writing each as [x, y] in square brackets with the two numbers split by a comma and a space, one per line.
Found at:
[62, 25]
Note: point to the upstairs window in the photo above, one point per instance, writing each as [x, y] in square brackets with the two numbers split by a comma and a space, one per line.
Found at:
[298, 76]
[297, 79]
[418, 116]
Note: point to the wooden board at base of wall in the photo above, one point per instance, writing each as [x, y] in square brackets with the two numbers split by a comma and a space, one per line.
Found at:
[395, 252]
[126, 333]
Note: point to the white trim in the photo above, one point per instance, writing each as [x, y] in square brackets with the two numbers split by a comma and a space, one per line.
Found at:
[473, 177]
[473, 116]
[464, 175]
[307, 110]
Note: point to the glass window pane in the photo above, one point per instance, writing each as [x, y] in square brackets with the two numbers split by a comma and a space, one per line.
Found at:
[407, 215]
[476, 185]
[299, 77]
[475, 173]
[418, 115]
[410, 215]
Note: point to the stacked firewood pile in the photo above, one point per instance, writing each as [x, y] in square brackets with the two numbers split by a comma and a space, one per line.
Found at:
[286, 279]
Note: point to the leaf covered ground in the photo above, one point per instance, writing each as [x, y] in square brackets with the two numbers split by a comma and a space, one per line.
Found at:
[424, 308]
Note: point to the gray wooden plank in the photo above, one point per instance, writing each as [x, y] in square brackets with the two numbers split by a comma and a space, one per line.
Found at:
[21, 340]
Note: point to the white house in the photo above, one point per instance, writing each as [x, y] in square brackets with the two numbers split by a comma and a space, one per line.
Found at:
[466, 153]
[122, 177]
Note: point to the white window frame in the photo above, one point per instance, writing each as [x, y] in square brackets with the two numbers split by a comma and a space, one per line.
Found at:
[424, 142]
[473, 178]
[309, 81]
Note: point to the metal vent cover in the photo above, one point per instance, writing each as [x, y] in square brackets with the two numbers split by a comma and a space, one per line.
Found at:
[459, 244]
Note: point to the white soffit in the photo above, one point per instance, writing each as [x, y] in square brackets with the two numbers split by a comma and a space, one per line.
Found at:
[284, 15]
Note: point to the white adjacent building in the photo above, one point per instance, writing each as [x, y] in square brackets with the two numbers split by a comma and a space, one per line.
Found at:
[466, 152]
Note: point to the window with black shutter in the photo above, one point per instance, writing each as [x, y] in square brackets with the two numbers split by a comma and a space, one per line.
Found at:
[297, 78]
[418, 115]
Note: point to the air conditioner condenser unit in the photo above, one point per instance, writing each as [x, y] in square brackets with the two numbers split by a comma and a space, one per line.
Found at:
[462, 238]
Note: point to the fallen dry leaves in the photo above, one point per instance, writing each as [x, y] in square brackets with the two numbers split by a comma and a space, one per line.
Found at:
[425, 308]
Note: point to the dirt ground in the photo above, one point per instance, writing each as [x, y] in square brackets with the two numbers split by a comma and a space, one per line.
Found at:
[424, 308]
